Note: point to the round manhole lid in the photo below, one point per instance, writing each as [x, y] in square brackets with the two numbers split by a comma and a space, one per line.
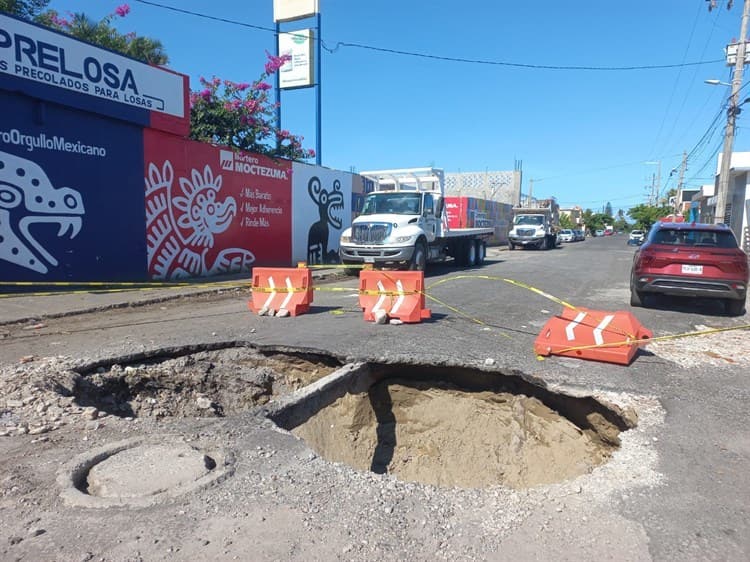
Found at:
[147, 470]
[136, 473]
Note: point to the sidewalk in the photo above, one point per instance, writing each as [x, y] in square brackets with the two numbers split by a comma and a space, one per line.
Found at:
[29, 308]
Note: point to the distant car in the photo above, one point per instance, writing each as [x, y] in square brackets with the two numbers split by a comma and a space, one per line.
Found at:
[692, 260]
[599, 233]
[579, 235]
[566, 235]
[636, 238]
[609, 232]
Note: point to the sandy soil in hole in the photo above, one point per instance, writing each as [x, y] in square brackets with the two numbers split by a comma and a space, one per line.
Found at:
[448, 437]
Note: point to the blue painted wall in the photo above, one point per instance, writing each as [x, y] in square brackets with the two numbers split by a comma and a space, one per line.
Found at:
[65, 171]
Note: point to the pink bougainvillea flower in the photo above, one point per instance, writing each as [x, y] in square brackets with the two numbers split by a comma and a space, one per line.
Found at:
[274, 62]
[251, 105]
[312, 153]
[263, 86]
[206, 95]
[122, 10]
[242, 86]
[60, 22]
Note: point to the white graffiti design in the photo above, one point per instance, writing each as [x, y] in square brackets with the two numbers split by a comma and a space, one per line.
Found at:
[181, 227]
[27, 198]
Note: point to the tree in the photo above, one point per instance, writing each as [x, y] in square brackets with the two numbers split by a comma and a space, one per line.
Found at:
[104, 34]
[608, 209]
[27, 9]
[566, 221]
[240, 115]
[646, 215]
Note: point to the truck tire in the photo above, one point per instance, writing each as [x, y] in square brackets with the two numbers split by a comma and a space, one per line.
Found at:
[419, 258]
[481, 251]
[511, 246]
[543, 245]
[471, 253]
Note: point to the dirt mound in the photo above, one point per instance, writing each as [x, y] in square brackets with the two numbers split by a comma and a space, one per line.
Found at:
[436, 433]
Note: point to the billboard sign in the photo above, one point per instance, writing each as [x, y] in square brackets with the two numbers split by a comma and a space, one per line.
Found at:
[290, 10]
[297, 72]
[37, 56]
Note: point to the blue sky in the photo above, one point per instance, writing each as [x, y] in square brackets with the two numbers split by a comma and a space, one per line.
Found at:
[584, 136]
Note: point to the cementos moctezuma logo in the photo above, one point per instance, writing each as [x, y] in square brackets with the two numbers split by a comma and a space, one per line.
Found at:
[40, 55]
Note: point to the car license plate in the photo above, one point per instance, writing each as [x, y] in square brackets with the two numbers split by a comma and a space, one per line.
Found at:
[370, 259]
[692, 269]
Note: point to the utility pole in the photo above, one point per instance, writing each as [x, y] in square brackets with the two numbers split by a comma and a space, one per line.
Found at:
[683, 167]
[531, 191]
[724, 192]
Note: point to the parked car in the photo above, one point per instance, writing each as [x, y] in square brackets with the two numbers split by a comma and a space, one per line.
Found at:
[566, 235]
[692, 260]
[636, 238]
[579, 235]
[599, 233]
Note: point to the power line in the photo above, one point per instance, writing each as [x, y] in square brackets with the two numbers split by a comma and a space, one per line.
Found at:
[343, 44]
[674, 87]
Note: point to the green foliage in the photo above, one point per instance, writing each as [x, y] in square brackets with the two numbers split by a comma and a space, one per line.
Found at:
[104, 34]
[608, 209]
[646, 215]
[27, 9]
[566, 221]
[596, 221]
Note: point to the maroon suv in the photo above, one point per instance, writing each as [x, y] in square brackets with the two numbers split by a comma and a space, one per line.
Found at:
[691, 260]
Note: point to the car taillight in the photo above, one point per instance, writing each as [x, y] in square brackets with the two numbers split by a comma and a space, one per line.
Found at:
[649, 259]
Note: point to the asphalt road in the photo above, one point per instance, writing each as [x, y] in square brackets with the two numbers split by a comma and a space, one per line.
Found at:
[695, 506]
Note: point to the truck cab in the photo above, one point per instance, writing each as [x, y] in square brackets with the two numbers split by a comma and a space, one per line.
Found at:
[535, 227]
[403, 223]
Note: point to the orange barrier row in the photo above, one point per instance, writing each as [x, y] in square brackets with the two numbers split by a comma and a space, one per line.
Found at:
[612, 337]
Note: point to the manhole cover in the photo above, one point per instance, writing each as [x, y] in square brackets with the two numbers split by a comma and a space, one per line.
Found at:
[136, 473]
[147, 470]
[455, 426]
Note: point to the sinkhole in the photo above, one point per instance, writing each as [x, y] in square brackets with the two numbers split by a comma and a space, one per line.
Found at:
[198, 383]
[453, 426]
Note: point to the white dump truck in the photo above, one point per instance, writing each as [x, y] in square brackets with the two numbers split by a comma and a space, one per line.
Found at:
[535, 227]
[403, 224]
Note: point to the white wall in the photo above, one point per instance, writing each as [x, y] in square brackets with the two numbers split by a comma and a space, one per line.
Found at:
[314, 188]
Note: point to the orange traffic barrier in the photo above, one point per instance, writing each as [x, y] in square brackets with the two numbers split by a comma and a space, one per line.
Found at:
[276, 288]
[399, 294]
[612, 337]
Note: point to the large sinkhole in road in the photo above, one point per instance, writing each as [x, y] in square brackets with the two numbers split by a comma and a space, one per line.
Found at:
[202, 382]
[456, 426]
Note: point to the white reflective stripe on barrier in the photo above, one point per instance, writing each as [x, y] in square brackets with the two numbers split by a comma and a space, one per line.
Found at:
[602, 325]
[271, 295]
[572, 326]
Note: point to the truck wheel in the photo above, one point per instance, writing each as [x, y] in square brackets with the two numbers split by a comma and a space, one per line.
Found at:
[511, 246]
[481, 251]
[419, 258]
[470, 250]
[351, 271]
[543, 245]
